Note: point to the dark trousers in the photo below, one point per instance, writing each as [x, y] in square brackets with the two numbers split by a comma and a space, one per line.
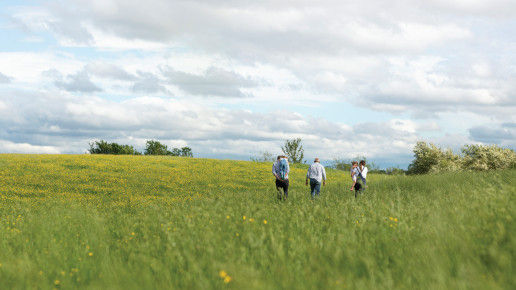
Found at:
[284, 185]
[363, 181]
[315, 187]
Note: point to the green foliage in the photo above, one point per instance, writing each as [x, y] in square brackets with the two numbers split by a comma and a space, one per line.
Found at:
[482, 157]
[293, 149]
[176, 223]
[154, 147]
[103, 147]
[428, 158]
[185, 152]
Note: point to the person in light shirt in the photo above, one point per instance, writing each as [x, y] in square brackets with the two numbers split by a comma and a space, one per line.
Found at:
[362, 169]
[316, 174]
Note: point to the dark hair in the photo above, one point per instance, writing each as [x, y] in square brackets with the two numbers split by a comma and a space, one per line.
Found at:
[362, 162]
[279, 157]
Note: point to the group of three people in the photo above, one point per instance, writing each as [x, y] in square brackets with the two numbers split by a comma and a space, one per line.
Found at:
[316, 176]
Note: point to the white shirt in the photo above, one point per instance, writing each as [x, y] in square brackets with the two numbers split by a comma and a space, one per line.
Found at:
[316, 171]
[363, 171]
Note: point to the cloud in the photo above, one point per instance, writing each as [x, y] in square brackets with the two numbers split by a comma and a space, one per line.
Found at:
[214, 82]
[505, 134]
[398, 58]
[77, 82]
[110, 71]
[11, 147]
[434, 69]
[148, 83]
[4, 79]
[66, 123]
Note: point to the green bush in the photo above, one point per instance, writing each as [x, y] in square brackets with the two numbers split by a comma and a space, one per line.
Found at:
[429, 158]
[103, 147]
[156, 148]
[482, 157]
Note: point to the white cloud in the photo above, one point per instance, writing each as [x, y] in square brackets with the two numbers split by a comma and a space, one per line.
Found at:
[11, 147]
[449, 63]
[71, 122]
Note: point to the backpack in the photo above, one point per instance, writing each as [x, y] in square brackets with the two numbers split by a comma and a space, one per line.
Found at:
[283, 165]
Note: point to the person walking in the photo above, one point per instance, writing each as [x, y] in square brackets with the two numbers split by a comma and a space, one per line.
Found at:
[316, 174]
[362, 169]
[281, 169]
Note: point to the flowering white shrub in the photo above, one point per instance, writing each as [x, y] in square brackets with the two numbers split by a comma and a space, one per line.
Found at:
[429, 158]
[484, 157]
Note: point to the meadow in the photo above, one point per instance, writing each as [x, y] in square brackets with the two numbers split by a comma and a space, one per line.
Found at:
[140, 222]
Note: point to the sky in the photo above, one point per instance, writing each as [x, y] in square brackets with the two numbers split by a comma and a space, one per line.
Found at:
[234, 79]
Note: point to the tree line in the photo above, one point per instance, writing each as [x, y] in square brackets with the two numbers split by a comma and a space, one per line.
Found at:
[428, 158]
[152, 147]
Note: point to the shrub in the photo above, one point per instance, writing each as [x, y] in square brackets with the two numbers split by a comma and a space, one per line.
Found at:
[185, 152]
[103, 147]
[431, 158]
[483, 157]
[156, 148]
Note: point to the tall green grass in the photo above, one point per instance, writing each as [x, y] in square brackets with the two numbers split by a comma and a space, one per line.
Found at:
[137, 222]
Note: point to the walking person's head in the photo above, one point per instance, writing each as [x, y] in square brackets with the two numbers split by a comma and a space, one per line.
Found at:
[354, 164]
[316, 160]
[279, 157]
[362, 163]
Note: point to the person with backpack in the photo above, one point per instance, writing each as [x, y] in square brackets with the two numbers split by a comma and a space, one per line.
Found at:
[280, 170]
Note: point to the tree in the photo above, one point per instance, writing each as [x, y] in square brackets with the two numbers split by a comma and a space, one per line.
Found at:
[156, 148]
[103, 147]
[186, 152]
[176, 152]
[430, 158]
[294, 150]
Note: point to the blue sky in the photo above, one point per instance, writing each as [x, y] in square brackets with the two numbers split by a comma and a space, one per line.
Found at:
[233, 79]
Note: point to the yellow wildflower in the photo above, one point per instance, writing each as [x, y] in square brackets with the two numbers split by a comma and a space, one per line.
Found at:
[223, 274]
[396, 219]
[243, 218]
[90, 254]
[251, 220]
[264, 222]
[57, 282]
[227, 217]
[227, 279]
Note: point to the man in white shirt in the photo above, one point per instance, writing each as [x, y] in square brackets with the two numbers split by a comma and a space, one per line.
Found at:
[316, 174]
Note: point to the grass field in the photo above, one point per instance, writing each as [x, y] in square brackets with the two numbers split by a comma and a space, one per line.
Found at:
[138, 222]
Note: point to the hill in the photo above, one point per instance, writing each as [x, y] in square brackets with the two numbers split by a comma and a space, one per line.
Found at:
[138, 222]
